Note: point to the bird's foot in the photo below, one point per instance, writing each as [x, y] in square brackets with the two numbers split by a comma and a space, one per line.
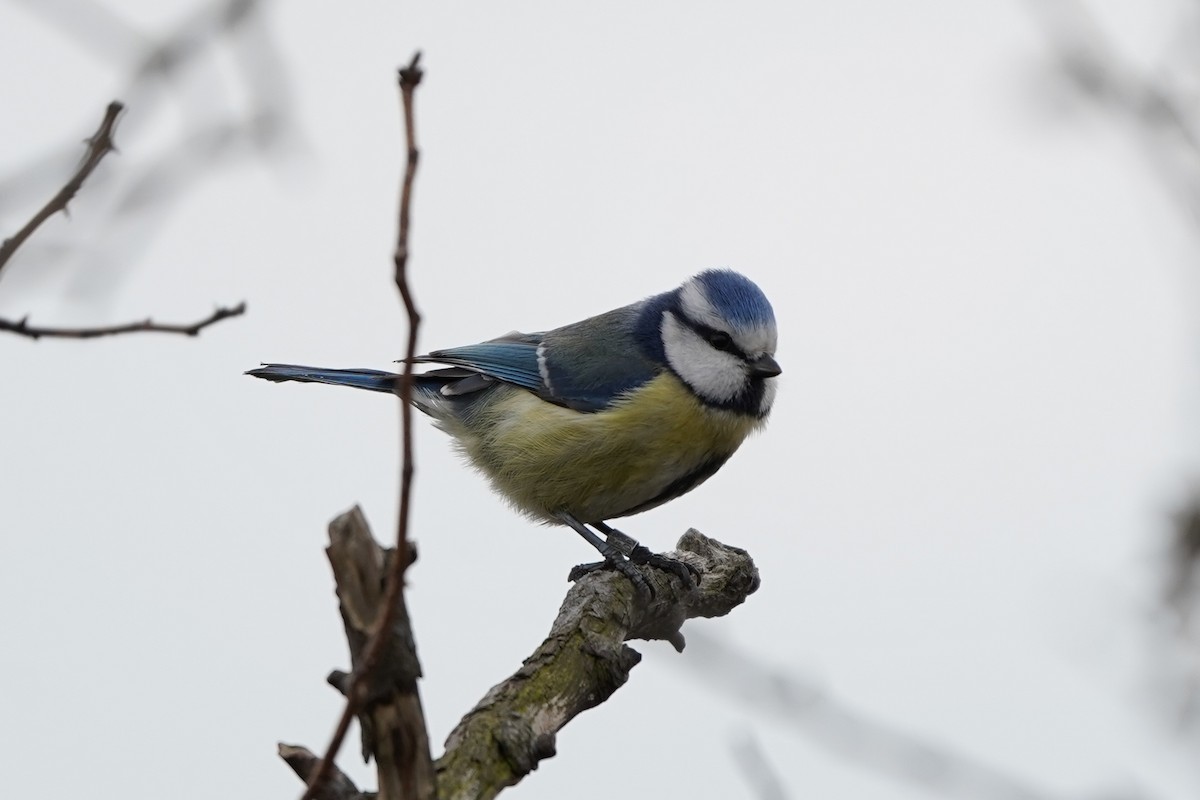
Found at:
[640, 585]
[641, 555]
[624, 554]
[680, 569]
[579, 570]
[638, 554]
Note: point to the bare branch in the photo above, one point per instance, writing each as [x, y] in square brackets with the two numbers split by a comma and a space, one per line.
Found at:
[22, 327]
[410, 78]
[582, 662]
[401, 750]
[180, 71]
[98, 146]
[385, 699]
[388, 705]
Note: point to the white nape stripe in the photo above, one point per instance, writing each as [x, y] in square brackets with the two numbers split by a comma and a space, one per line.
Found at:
[712, 374]
[697, 307]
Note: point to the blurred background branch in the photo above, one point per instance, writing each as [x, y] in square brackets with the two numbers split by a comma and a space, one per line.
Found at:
[22, 327]
[185, 73]
[759, 773]
[853, 735]
[1158, 100]
[98, 146]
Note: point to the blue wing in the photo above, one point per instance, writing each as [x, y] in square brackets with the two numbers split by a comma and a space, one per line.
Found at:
[585, 366]
[512, 358]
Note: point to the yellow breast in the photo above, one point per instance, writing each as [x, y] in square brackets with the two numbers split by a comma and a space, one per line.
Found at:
[545, 458]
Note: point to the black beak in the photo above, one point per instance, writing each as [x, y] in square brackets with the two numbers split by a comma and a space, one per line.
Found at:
[764, 367]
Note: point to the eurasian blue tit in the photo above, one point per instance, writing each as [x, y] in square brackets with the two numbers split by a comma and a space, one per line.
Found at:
[606, 417]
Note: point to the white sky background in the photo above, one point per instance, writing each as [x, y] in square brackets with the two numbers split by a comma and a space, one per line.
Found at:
[988, 335]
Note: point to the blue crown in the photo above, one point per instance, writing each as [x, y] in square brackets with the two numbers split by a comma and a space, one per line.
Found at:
[736, 298]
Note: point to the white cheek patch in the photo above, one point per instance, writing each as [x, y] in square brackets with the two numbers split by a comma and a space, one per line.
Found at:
[713, 374]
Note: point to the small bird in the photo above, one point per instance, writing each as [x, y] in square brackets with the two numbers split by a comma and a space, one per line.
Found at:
[606, 417]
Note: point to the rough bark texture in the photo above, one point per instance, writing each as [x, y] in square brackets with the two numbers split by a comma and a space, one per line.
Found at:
[582, 662]
[391, 718]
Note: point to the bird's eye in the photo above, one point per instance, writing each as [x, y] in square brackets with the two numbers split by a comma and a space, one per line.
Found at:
[720, 340]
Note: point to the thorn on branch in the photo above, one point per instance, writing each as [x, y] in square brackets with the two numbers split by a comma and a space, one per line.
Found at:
[99, 145]
[412, 74]
[340, 680]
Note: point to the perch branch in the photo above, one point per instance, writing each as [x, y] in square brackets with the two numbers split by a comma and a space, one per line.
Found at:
[394, 731]
[98, 146]
[22, 327]
[582, 662]
[579, 665]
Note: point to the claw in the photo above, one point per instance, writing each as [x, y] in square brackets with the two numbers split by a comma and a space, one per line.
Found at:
[645, 592]
[621, 553]
[579, 570]
[681, 569]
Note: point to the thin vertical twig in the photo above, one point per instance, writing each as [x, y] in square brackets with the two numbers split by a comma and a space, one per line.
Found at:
[410, 78]
[417, 762]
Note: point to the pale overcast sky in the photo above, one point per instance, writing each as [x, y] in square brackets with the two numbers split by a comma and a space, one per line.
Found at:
[987, 306]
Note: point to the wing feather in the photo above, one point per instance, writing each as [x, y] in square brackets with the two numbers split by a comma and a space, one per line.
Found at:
[511, 358]
[585, 366]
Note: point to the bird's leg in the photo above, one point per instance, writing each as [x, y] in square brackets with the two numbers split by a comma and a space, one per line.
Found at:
[612, 558]
[623, 542]
[642, 555]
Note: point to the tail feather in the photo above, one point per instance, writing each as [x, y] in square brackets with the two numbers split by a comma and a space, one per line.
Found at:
[372, 379]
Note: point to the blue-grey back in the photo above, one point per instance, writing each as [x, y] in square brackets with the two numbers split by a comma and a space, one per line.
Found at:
[585, 366]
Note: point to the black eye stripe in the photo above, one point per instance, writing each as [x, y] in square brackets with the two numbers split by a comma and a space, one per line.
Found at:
[720, 340]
